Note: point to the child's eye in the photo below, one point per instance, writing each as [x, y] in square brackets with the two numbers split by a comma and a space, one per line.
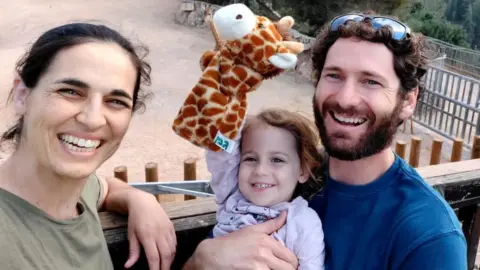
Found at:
[249, 159]
[277, 160]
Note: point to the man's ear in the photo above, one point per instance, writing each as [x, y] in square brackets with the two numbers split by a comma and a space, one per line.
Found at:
[409, 104]
[19, 96]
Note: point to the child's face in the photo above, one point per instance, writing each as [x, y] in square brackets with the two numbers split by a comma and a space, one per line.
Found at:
[270, 167]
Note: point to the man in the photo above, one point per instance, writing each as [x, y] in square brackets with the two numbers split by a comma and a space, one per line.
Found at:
[377, 212]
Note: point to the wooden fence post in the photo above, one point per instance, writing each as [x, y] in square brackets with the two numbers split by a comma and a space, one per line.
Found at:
[457, 150]
[151, 174]
[189, 173]
[476, 147]
[415, 151]
[436, 153]
[400, 149]
[121, 173]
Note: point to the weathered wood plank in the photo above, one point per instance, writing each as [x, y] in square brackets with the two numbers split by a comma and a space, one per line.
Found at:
[465, 174]
[444, 169]
[174, 211]
[190, 232]
[459, 182]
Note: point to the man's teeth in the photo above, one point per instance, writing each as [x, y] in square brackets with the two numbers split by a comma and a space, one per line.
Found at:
[262, 185]
[78, 144]
[349, 120]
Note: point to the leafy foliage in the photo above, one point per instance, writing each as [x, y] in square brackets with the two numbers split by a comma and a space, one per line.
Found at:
[452, 21]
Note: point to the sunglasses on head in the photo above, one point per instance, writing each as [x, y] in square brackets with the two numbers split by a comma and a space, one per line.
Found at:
[399, 29]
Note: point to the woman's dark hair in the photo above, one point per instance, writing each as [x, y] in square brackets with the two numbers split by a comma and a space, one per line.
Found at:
[34, 63]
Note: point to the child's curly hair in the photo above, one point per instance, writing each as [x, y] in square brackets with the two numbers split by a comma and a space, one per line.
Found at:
[307, 141]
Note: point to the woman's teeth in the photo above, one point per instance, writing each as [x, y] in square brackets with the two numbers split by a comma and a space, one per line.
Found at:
[262, 185]
[348, 120]
[78, 144]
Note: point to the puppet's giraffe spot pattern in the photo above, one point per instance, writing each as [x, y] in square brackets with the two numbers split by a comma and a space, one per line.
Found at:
[240, 72]
[201, 104]
[204, 121]
[257, 41]
[266, 36]
[247, 48]
[218, 101]
[199, 90]
[208, 83]
[213, 75]
[201, 132]
[269, 51]
[258, 56]
[212, 111]
[189, 112]
[232, 118]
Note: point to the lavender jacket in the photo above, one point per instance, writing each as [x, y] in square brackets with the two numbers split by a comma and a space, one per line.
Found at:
[302, 233]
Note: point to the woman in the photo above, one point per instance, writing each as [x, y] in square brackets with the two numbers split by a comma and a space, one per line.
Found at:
[75, 92]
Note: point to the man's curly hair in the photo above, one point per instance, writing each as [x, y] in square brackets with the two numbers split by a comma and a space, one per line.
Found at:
[410, 57]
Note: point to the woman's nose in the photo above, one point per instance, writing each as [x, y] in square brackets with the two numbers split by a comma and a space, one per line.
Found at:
[92, 115]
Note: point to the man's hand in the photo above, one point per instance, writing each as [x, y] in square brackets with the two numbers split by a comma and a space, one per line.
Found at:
[249, 248]
[148, 224]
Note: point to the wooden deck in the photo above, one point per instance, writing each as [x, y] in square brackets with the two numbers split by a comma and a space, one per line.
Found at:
[458, 181]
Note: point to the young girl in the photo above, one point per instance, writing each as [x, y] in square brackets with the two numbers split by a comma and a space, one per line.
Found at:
[268, 172]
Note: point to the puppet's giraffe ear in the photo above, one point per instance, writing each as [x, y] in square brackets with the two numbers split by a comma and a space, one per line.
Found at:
[284, 25]
[293, 46]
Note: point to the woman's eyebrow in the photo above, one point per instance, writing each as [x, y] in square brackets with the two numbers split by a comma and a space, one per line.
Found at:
[73, 82]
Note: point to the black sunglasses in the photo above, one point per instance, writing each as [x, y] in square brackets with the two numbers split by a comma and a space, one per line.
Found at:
[399, 29]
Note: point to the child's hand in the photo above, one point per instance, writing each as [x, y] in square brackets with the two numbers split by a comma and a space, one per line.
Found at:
[149, 225]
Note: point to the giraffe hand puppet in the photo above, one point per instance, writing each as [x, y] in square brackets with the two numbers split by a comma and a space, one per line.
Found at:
[250, 48]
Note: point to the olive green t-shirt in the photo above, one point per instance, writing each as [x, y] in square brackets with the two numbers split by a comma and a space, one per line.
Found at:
[29, 239]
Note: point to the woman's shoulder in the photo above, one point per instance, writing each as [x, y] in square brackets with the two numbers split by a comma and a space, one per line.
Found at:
[92, 190]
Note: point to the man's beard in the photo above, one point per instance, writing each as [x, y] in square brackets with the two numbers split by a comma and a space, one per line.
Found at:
[378, 136]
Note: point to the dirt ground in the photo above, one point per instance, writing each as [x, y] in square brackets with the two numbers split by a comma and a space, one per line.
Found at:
[174, 55]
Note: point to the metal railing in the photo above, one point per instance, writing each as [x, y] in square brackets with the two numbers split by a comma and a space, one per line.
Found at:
[450, 105]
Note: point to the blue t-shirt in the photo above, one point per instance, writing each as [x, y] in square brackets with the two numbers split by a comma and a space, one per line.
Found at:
[395, 222]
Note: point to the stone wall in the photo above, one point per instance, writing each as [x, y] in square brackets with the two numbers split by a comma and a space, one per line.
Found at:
[195, 17]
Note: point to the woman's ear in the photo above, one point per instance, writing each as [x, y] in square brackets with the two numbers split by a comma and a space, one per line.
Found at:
[409, 104]
[19, 96]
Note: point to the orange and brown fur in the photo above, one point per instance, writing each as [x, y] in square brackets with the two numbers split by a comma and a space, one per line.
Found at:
[218, 101]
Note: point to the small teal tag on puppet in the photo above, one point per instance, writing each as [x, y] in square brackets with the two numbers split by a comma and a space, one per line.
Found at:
[223, 142]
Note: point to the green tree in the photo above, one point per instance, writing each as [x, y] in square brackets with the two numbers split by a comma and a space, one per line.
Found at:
[422, 20]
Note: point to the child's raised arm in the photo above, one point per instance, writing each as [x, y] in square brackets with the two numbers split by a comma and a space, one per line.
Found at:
[224, 169]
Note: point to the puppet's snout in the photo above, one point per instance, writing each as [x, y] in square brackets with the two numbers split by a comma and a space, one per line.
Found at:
[283, 60]
[234, 21]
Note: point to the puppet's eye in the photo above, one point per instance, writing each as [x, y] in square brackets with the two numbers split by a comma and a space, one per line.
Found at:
[260, 25]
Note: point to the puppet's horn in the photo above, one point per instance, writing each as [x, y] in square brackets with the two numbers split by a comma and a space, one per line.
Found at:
[214, 30]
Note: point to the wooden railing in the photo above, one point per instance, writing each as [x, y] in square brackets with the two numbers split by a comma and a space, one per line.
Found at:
[458, 181]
